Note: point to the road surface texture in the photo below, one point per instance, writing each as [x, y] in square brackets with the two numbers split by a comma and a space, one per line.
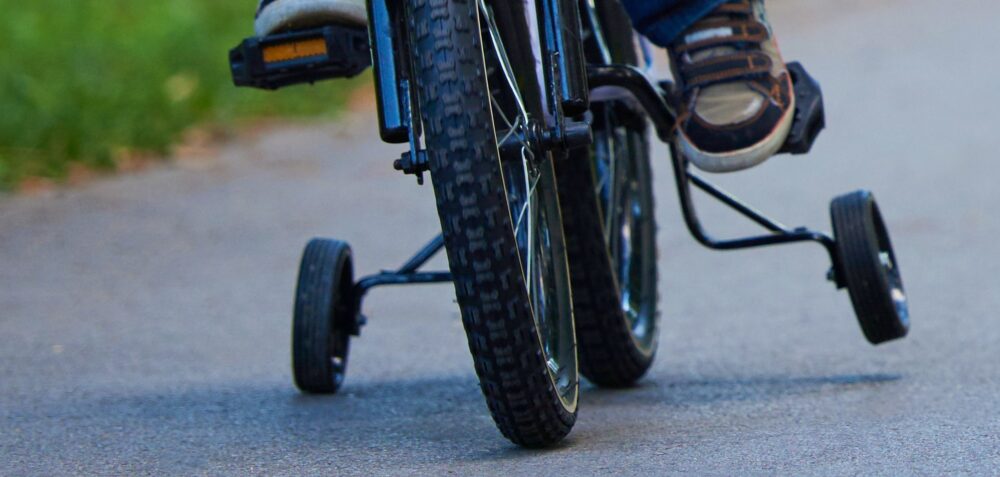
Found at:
[144, 320]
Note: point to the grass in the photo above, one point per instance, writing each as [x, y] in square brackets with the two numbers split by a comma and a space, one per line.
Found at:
[86, 81]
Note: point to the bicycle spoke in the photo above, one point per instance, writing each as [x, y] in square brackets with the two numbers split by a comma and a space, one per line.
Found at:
[502, 57]
[511, 128]
[524, 209]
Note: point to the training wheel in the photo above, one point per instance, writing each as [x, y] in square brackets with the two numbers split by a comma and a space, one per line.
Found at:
[323, 317]
[868, 267]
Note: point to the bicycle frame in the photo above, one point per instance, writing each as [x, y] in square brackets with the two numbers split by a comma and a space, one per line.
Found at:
[562, 58]
[568, 83]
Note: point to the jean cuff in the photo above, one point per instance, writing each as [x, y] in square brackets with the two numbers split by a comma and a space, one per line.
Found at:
[666, 29]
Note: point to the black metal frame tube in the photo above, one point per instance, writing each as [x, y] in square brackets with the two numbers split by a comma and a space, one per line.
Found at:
[562, 45]
[728, 199]
[425, 254]
[390, 63]
[780, 233]
[407, 274]
[650, 96]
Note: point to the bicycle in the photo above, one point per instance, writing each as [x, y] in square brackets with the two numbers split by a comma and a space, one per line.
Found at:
[532, 118]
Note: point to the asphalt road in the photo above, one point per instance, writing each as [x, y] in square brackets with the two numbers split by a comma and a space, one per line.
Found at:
[144, 320]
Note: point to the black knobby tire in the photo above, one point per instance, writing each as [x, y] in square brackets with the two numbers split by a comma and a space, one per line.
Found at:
[868, 267]
[323, 316]
[612, 354]
[615, 351]
[477, 225]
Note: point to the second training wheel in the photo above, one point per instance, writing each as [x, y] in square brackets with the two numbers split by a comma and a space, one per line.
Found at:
[323, 317]
[868, 267]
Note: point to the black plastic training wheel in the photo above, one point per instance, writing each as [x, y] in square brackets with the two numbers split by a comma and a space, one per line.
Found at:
[322, 322]
[868, 267]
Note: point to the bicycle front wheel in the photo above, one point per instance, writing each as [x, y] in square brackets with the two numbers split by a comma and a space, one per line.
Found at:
[499, 210]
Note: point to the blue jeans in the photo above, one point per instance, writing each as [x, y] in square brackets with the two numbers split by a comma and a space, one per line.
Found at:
[663, 20]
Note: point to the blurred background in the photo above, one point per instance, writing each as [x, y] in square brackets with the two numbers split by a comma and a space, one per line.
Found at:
[145, 317]
[87, 84]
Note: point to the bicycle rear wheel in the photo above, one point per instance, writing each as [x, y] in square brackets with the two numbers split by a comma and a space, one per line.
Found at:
[607, 197]
[499, 211]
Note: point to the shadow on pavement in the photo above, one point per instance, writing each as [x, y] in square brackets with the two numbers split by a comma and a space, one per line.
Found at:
[693, 392]
[430, 417]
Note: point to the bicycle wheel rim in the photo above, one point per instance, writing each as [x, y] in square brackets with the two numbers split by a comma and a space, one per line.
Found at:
[625, 206]
[533, 203]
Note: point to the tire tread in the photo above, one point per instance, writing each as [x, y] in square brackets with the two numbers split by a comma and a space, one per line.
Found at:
[476, 224]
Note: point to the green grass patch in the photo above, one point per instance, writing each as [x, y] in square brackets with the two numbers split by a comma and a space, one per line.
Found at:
[83, 80]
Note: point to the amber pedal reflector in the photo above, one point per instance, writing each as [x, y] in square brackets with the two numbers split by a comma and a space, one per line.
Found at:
[295, 50]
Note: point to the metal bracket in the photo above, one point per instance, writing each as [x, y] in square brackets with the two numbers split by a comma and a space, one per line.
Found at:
[655, 100]
[415, 160]
[407, 274]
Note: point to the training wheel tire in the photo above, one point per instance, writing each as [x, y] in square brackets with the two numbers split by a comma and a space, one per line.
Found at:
[323, 316]
[868, 267]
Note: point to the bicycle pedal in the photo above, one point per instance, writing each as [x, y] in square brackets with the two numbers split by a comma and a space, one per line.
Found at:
[297, 57]
[810, 117]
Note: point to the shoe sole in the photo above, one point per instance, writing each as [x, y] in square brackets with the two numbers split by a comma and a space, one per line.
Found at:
[282, 14]
[746, 158]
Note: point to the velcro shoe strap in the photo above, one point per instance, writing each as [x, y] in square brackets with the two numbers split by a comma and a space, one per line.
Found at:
[715, 33]
[744, 65]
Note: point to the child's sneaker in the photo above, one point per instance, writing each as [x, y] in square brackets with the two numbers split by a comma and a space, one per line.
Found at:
[737, 102]
[276, 16]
